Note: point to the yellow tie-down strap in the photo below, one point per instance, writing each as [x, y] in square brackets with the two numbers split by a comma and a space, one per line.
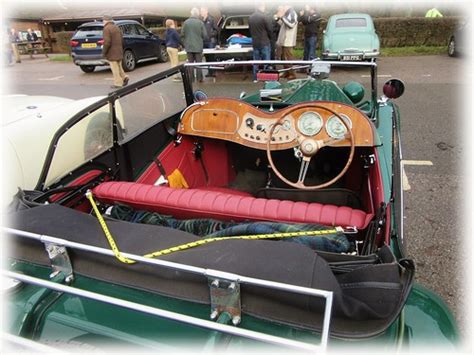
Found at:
[190, 245]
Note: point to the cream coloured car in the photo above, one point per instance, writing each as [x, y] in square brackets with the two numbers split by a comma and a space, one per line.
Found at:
[29, 125]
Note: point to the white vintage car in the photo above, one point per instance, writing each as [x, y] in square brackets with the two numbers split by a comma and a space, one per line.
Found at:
[29, 124]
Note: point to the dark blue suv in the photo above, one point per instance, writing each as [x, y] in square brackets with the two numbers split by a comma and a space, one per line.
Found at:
[139, 45]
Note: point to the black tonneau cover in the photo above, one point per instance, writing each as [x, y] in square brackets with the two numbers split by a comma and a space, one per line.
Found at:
[366, 300]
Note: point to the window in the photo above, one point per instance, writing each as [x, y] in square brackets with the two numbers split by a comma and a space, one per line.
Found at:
[129, 29]
[351, 22]
[144, 108]
[84, 141]
[141, 31]
[88, 31]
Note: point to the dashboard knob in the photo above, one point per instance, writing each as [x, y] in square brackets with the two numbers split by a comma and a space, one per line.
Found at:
[249, 122]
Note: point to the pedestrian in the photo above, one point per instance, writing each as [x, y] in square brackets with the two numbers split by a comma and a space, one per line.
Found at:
[193, 35]
[288, 20]
[261, 31]
[14, 38]
[275, 51]
[211, 29]
[310, 19]
[173, 42]
[112, 50]
[31, 36]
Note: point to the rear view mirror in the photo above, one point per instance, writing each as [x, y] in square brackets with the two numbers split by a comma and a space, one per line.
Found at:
[394, 88]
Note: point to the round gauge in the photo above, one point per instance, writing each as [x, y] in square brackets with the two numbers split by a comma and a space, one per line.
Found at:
[310, 123]
[336, 128]
[286, 125]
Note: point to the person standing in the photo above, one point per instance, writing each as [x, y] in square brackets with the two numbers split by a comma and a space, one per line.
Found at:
[13, 37]
[288, 21]
[193, 35]
[211, 28]
[31, 36]
[173, 41]
[310, 19]
[112, 50]
[260, 28]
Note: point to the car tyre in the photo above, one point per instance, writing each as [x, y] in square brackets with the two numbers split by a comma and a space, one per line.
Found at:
[162, 54]
[129, 61]
[87, 68]
[452, 47]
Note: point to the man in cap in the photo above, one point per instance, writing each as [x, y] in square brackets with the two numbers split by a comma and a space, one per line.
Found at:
[112, 50]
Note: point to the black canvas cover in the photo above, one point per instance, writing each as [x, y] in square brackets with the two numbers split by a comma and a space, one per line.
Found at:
[369, 292]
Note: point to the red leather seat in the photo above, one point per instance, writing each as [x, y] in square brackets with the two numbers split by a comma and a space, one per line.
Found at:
[197, 203]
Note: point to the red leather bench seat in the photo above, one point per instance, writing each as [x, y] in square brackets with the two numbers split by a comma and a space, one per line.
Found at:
[223, 204]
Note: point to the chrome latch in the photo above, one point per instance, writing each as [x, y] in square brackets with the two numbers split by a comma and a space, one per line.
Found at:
[225, 297]
[60, 261]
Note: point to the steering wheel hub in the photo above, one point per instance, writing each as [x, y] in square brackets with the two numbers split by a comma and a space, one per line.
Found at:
[309, 147]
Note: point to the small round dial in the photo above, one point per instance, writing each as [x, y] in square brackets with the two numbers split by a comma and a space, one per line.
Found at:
[310, 123]
[336, 128]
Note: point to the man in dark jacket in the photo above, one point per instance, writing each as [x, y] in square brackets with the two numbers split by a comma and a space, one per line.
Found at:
[260, 27]
[211, 28]
[310, 19]
[193, 35]
[112, 50]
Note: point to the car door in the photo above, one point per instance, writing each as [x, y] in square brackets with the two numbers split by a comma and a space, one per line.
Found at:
[145, 42]
[129, 33]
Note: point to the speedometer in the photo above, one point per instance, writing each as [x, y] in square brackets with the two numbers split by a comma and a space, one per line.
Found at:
[310, 123]
[335, 128]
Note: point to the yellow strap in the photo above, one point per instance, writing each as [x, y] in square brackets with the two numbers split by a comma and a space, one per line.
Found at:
[196, 243]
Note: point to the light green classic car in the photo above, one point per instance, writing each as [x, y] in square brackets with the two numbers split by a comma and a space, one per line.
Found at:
[350, 37]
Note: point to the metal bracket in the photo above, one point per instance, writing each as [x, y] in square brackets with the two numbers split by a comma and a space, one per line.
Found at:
[60, 261]
[225, 297]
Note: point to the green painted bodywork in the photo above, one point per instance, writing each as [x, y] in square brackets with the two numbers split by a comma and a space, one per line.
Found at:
[350, 39]
[302, 90]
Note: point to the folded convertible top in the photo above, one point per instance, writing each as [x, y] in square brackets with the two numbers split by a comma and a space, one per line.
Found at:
[366, 300]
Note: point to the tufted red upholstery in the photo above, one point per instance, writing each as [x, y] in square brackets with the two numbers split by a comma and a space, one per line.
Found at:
[197, 203]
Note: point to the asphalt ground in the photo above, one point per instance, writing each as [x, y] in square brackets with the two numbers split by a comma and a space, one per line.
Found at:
[434, 118]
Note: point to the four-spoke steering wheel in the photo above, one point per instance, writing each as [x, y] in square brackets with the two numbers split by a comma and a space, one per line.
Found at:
[309, 147]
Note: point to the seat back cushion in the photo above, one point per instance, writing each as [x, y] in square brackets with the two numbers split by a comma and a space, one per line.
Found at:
[223, 205]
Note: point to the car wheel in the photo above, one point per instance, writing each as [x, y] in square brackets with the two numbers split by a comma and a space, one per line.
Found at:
[162, 55]
[129, 61]
[87, 68]
[452, 47]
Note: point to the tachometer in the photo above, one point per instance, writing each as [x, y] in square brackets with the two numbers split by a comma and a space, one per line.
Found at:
[336, 128]
[310, 123]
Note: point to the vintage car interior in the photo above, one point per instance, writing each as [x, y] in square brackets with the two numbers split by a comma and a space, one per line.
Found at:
[229, 162]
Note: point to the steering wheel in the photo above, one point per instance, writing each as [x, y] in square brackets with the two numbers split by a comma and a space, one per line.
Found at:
[309, 147]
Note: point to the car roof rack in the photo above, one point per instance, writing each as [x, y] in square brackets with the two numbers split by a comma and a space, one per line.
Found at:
[219, 282]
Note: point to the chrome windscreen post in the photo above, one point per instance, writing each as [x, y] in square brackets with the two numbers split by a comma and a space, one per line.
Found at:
[224, 290]
[60, 261]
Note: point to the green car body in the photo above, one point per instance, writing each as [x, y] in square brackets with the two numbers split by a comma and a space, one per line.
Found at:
[350, 37]
[86, 322]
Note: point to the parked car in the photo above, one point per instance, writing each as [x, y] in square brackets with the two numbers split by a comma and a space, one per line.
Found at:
[233, 28]
[457, 44]
[232, 220]
[350, 37]
[139, 45]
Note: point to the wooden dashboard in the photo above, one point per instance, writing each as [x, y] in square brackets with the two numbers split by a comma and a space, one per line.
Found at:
[242, 123]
